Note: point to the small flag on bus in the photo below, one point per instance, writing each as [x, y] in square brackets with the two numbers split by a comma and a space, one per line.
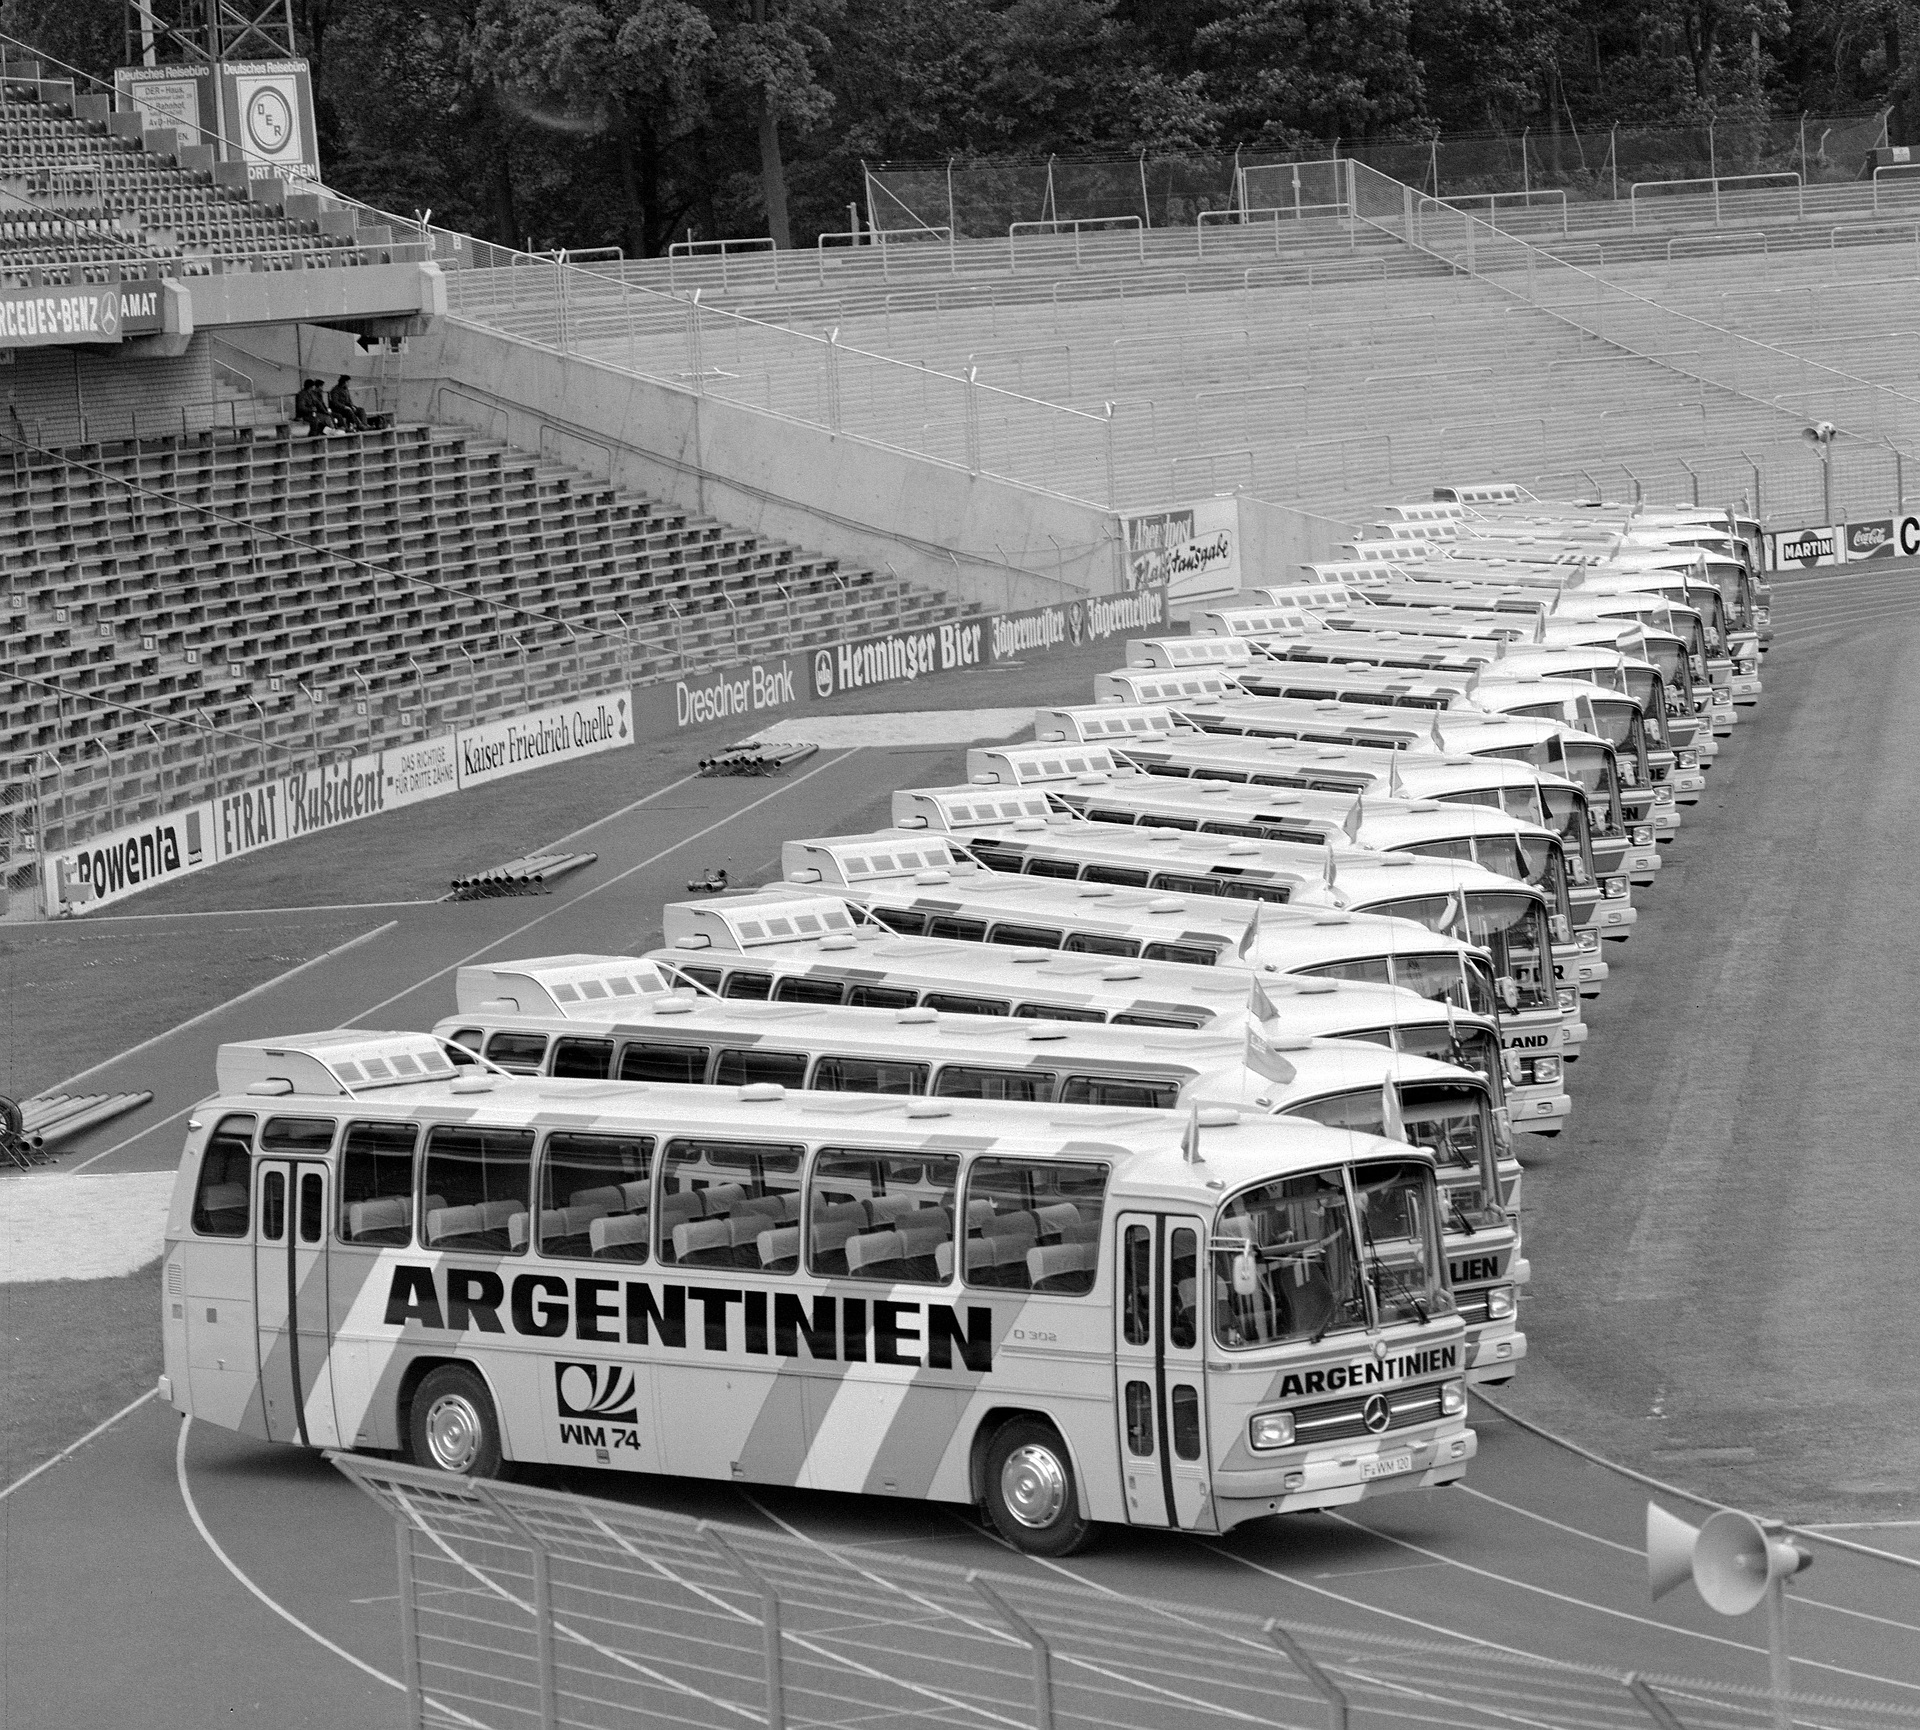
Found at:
[1439, 738]
[1392, 1125]
[1190, 1141]
[1353, 820]
[1250, 936]
[1396, 788]
[1330, 871]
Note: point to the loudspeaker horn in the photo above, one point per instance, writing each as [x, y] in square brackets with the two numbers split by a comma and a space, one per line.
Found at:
[1736, 1559]
[1670, 1542]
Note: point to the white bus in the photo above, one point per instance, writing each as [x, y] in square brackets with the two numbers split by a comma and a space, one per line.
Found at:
[1442, 1107]
[1065, 1314]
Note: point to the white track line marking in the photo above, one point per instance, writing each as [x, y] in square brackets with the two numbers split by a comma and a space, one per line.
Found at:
[138, 1135]
[72, 1448]
[1608, 1610]
[279, 1609]
[219, 1008]
[575, 900]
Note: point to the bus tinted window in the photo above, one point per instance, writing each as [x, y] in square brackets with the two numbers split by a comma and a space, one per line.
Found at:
[868, 1075]
[1305, 1276]
[1128, 876]
[882, 1217]
[595, 1194]
[463, 1046]
[583, 1059]
[706, 977]
[1136, 1313]
[476, 1181]
[1034, 1225]
[1194, 954]
[880, 997]
[1141, 1019]
[730, 1204]
[645, 1061]
[297, 1135]
[1025, 936]
[1119, 1090]
[522, 1053]
[967, 1081]
[956, 1004]
[1094, 943]
[221, 1196]
[958, 930]
[1183, 1309]
[738, 1066]
[376, 1183]
[798, 988]
[1052, 868]
[904, 920]
[1055, 1012]
[755, 986]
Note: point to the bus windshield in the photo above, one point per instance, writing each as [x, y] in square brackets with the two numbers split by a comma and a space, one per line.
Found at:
[1671, 659]
[1450, 1120]
[1438, 978]
[1512, 928]
[1285, 1263]
[1646, 688]
[1395, 1206]
[1475, 1048]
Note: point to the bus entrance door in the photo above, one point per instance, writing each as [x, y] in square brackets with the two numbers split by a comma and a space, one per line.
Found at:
[290, 1302]
[1159, 1350]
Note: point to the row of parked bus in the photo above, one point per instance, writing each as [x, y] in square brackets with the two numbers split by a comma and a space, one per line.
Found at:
[1133, 1131]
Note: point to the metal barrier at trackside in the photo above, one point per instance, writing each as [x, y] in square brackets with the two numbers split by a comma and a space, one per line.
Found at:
[525, 1606]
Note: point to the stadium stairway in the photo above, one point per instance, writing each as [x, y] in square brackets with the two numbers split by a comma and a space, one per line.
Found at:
[183, 614]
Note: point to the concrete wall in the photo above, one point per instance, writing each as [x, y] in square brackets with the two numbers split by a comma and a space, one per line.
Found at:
[980, 539]
[1276, 540]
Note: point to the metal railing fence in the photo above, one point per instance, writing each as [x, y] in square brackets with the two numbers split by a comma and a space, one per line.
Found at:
[522, 1606]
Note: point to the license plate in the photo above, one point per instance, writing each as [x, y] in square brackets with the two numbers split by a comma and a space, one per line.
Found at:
[1386, 1466]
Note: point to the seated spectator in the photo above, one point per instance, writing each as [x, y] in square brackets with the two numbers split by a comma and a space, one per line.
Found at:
[346, 413]
[311, 406]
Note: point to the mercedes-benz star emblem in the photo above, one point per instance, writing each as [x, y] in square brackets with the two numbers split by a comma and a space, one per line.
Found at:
[1375, 1414]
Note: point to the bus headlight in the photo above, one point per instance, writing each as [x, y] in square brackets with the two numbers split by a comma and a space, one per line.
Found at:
[1689, 759]
[1616, 888]
[1568, 998]
[1546, 1069]
[1500, 1303]
[1271, 1430]
[1453, 1399]
[1642, 835]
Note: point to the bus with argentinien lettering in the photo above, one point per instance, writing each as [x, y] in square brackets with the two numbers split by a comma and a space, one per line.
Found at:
[1064, 1315]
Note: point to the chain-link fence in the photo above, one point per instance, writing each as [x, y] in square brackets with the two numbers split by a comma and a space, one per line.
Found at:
[522, 1606]
[979, 197]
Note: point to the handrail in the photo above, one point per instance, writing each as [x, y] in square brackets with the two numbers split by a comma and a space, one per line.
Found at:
[1075, 224]
[1716, 181]
[1900, 169]
[1546, 194]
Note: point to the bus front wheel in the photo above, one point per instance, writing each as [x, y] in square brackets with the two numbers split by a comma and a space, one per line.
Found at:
[452, 1425]
[1032, 1499]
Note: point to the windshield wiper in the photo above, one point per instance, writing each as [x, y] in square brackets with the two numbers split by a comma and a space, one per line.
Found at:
[1467, 1227]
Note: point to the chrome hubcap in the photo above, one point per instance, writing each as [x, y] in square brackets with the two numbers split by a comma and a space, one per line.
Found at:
[453, 1432]
[1033, 1484]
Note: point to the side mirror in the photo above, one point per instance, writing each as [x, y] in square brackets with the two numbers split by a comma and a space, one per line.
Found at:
[1246, 1273]
[1503, 1130]
[1509, 991]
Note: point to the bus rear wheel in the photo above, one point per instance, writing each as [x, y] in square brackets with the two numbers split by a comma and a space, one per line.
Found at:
[1032, 1498]
[452, 1425]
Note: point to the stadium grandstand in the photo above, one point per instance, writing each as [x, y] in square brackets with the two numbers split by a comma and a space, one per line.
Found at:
[593, 471]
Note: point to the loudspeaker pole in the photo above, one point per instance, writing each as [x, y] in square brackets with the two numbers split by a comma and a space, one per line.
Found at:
[1777, 1668]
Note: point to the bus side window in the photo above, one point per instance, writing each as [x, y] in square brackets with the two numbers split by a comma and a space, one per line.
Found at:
[965, 1081]
[1055, 1012]
[1120, 1090]
[1183, 1302]
[880, 997]
[1187, 1022]
[519, 1053]
[463, 1047]
[221, 1196]
[376, 1183]
[956, 1004]
[1128, 876]
[708, 978]
[583, 1059]
[1093, 943]
[308, 1135]
[1193, 954]
[476, 1187]
[648, 1062]
[798, 988]
[903, 920]
[1034, 1225]
[739, 1066]
[1025, 937]
[868, 1075]
[1369, 970]
[878, 1217]
[596, 1194]
[756, 986]
[956, 929]
[730, 1204]
[1037, 867]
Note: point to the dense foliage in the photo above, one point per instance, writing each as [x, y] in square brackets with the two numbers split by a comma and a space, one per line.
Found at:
[635, 122]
